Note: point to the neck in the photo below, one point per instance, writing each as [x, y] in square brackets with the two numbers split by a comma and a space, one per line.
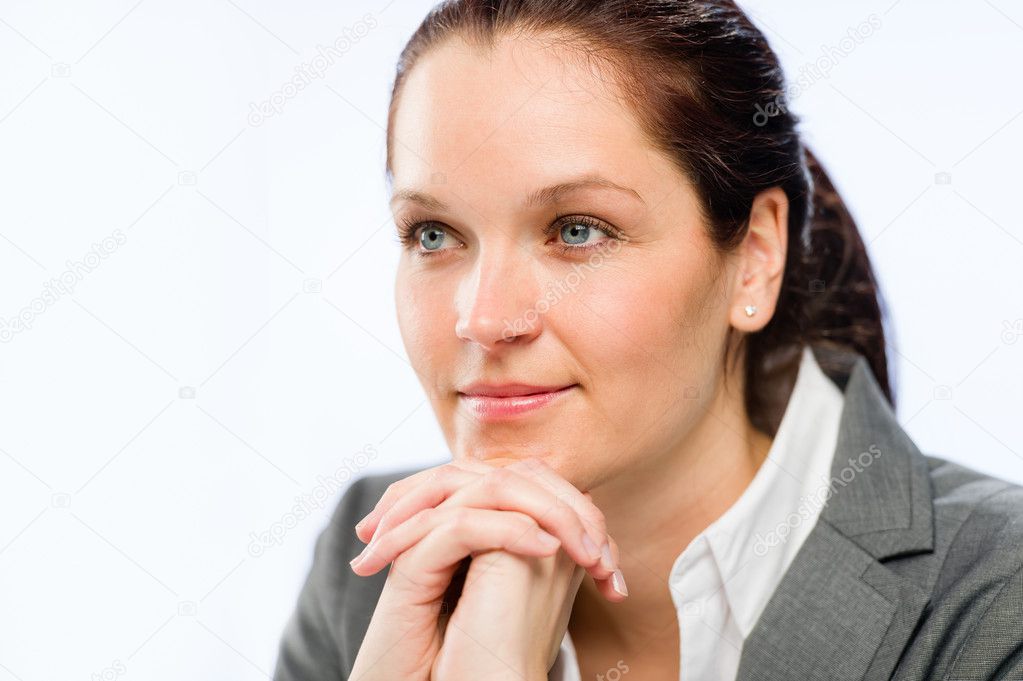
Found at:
[655, 512]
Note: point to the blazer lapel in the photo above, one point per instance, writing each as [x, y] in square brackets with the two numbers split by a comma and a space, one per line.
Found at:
[838, 612]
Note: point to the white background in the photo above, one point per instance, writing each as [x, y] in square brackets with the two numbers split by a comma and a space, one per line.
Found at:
[239, 349]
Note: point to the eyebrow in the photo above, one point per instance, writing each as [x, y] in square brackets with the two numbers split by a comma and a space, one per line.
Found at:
[540, 197]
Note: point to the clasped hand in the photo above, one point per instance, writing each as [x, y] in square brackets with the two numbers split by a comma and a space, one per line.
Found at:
[531, 536]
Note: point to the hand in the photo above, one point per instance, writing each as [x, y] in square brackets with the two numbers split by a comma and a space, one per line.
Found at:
[510, 619]
[429, 522]
[527, 486]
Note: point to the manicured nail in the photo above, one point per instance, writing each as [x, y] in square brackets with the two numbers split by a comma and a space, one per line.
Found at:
[606, 559]
[618, 583]
[591, 548]
[358, 559]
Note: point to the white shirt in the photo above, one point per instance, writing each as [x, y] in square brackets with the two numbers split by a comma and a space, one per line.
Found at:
[722, 580]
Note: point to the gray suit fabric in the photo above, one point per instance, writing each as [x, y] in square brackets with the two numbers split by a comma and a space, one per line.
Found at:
[914, 569]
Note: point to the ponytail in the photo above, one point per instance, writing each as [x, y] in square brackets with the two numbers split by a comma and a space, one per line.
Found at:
[829, 300]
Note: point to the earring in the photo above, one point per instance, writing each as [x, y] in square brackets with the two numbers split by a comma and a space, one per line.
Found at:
[751, 310]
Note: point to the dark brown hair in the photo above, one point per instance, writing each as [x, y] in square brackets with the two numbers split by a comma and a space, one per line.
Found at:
[710, 93]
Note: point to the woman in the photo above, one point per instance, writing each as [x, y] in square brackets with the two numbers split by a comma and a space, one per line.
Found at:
[650, 332]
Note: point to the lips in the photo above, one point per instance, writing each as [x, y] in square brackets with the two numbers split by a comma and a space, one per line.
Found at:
[509, 389]
[510, 400]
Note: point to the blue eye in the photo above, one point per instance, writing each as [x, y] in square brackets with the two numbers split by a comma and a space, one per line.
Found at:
[429, 235]
[432, 236]
[575, 232]
[425, 238]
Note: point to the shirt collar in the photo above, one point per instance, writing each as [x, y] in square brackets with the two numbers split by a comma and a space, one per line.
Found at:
[753, 542]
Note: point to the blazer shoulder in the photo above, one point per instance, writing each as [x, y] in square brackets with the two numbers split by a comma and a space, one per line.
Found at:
[963, 492]
[978, 515]
[978, 581]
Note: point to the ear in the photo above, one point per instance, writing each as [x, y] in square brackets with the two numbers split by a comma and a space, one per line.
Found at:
[760, 261]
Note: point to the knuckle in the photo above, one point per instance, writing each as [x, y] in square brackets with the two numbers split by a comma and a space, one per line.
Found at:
[496, 480]
[444, 472]
[567, 500]
[520, 520]
[423, 517]
[567, 515]
[529, 465]
[521, 465]
[596, 520]
[384, 524]
[459, 519]
[562, 517]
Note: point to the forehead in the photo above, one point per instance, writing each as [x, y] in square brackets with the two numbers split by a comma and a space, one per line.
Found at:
[524, 110]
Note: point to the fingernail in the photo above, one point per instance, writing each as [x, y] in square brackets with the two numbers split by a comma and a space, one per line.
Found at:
[618, 583]
[590, 547]
[606, 559]
[358, 559]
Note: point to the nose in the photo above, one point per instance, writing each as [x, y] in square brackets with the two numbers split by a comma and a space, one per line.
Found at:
[497, 302]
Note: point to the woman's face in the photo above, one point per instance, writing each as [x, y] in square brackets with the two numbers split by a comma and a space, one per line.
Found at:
[623, 298]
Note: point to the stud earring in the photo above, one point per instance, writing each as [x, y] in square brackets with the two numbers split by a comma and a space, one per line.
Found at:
[751, 310]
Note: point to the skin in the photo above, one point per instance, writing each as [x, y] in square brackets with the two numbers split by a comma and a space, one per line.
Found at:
[653, 432]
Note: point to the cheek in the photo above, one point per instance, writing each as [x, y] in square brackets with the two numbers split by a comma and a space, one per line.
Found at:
[649, 311]
[644, 334]
[427, 330]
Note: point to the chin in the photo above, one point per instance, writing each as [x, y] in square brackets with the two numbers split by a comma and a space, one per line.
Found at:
[504, 455]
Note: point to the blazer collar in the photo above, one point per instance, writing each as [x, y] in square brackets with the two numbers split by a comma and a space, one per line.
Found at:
[838, 611]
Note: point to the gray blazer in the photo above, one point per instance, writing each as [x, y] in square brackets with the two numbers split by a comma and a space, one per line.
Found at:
[913, 570]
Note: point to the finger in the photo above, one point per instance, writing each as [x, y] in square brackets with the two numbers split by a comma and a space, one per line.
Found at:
[569, 494]
[610, 582]
[591, 514]
[581, 502]
[504, 489]
[613, 588]
[438, 490]
[443, 548]
[366, 527]
[466, 530]
[430, 492]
